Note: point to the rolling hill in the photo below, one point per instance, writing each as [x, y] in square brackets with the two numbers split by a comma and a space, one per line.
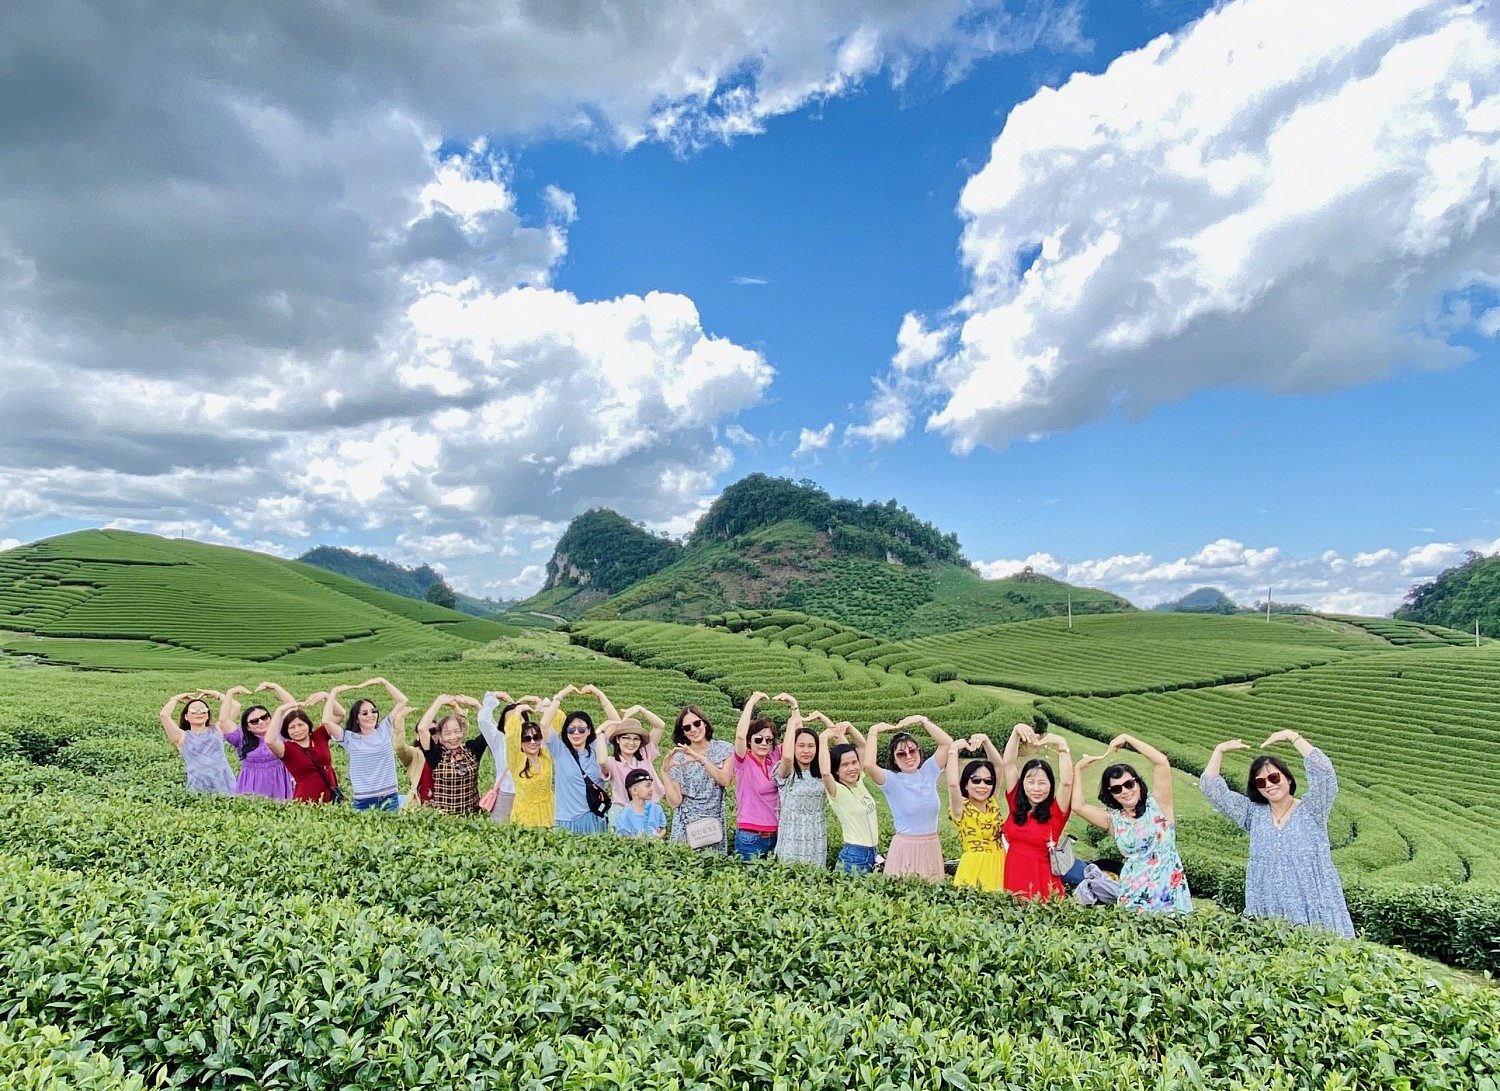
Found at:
[411, 583]
[769, 543]
[111, 598]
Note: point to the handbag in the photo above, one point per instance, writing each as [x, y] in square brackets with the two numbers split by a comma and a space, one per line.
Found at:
[594, 795]
[335, 795]
[1061, 855]
[703, 832]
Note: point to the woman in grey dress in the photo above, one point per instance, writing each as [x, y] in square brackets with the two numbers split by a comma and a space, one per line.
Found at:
[802, 834]
[203, 747]
[696, 772]
[1290, 873]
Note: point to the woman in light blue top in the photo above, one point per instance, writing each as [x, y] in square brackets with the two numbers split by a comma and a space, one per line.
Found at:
[575, 763]
[370, 741]
[910, 786]
[1290, 872]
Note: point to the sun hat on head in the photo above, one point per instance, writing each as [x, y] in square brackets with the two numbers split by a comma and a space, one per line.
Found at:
[627, 727]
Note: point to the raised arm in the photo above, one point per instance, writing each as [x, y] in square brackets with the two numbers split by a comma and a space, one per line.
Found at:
[1091, 813]
[550, 707]
[1216, 789]
[1161, 770]
[169, 718]
[870, 756]
[1322, 782]
[489, 732]
[333, 713]
[1064, 764]
[939, 736]
[400, 706]
[229, 709]
[826, 739]
[1020, 734]
[788, 759]
[275, 741]
[280, 691]
[641, 712]
[742, 729]
[424, 725]
[610, 712]
[955, 793]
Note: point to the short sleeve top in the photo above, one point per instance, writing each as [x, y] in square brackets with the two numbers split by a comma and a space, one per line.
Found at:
[913, 799]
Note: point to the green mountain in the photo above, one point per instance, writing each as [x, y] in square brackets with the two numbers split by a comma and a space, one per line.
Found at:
[770, 543]
[110, 598]
[1205, 600]
[412, 583]
[1459, 597]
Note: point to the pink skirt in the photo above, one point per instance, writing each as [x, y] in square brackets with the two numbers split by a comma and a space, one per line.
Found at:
[915, 854]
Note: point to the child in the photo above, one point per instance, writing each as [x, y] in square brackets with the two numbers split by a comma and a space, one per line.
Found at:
[640, 817]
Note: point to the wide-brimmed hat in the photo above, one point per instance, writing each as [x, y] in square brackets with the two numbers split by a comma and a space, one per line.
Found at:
[628, 727]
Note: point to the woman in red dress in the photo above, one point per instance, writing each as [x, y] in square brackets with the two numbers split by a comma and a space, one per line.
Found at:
[303, 749]
[1036, 817]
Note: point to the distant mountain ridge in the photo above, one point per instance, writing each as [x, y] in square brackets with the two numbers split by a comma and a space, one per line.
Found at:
[1204, 600]
[412, 583]
[772, 543]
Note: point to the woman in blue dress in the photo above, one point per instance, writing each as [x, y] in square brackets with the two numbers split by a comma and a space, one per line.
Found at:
[1290, 873]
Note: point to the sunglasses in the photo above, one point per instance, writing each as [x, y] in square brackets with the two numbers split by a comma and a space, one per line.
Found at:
[262, 718]
[981, 780]
[1268, 780]
[762, 740]
[1116, 789]
[692, 723]
[578, 729]
[907, 752]
[530, 736]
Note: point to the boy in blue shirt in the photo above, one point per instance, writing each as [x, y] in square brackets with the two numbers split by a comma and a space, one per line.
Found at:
[640, 817]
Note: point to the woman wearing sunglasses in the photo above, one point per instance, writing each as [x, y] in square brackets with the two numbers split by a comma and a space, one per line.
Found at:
[910, 786]
[1144, 826]
[696, 772]
[575, 763]
[201, 743]
[976, 812]
[1290, 872]
[757, 804]
[261, 771]
[528, 763]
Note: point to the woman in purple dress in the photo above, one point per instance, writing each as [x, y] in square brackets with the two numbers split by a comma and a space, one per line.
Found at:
[261, 771]
[193, 735]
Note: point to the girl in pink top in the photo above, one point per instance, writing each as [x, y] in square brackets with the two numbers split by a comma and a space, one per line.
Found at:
[757, 802]
[631, 747]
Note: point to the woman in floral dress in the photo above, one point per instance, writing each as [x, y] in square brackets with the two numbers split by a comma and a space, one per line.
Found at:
[1144, 827]
[696, 772]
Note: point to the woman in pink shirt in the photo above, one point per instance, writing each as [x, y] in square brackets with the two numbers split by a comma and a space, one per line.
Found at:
[757, 802]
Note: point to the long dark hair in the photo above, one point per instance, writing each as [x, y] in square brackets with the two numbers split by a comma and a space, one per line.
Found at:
[813, 769]
[1254, 794]
[588, 743]
[1024, 808]
[351, 722]
[182, 718]
[1107, 797]
[526, 770]
[679, 736]
[249, 740]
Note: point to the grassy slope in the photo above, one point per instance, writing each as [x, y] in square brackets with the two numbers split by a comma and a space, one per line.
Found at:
[117, 599]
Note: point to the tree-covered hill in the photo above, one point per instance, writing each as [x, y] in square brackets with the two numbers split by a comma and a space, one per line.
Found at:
[1458, 597]
[770, 543]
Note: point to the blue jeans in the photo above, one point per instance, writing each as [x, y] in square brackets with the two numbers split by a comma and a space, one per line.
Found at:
[857, 859]
[588, 823]
[750, 845]
[391, 802]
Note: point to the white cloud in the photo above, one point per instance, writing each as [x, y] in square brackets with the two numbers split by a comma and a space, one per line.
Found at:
[888, 413]
[1375, 584]
[1281, 196]
[737, 435]
[8, 543]
[812, 440]
[749, 281]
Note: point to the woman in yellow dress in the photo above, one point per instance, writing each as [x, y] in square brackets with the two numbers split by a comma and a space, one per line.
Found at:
[530, 766]
[977, 814]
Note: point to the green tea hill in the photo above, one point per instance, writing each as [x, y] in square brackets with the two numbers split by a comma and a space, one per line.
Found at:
[111, 598]
[412, 583]
[769, 543]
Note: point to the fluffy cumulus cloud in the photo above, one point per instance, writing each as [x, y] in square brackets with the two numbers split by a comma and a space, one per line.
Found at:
[812, 440]
[1282, 196]
[261, 280]
[1372, 582]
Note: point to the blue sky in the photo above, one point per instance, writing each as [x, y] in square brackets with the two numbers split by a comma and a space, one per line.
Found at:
[437, 310]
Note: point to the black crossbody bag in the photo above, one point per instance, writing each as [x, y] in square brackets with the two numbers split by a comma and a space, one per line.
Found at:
[597, 797]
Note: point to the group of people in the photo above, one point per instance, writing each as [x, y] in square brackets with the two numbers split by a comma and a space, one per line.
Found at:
[555, 767]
